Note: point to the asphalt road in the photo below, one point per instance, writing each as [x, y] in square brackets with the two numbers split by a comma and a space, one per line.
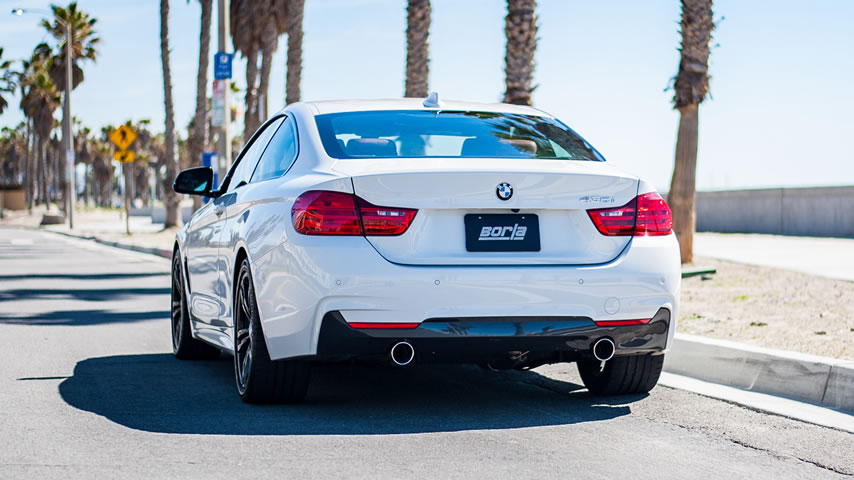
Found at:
[89, 388]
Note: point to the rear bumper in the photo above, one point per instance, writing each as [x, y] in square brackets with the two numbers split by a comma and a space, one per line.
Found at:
[492, 339]
[301, 283]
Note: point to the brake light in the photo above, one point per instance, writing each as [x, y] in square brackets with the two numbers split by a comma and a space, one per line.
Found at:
[646, 214]
[326, 213]
[319, 212]
[654, 216]
[384, 220]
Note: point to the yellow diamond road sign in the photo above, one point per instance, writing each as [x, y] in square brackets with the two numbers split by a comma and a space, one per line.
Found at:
[124, 157]
[122, 137]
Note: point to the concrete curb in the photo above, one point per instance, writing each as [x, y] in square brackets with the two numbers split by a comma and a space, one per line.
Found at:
[124, 246]
[818, 380]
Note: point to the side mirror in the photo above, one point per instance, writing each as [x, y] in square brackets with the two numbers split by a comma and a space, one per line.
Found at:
[194, 181]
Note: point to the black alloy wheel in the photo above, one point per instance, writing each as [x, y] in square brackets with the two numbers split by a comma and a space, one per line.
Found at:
[260, 379]
[184, 346]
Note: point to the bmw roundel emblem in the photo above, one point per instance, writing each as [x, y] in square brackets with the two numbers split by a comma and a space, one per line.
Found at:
[504, 191]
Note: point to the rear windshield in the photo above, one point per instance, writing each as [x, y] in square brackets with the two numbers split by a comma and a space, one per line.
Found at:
[416, 134]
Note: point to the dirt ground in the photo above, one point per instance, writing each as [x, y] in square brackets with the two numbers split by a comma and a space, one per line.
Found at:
[770, 308]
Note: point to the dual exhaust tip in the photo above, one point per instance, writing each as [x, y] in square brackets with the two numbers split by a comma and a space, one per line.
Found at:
[403, 353]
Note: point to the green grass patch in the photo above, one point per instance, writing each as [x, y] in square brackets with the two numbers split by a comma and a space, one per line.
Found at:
[758, 324]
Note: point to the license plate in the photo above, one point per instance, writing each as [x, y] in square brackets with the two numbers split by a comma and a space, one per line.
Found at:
[491, 232]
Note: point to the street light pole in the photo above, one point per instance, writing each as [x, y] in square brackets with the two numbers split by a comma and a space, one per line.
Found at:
[71, 191]
[224, 143]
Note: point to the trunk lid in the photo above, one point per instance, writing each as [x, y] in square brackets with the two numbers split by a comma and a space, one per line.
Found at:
[446, 191]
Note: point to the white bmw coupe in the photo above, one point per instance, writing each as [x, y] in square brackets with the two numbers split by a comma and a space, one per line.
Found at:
[424, 231]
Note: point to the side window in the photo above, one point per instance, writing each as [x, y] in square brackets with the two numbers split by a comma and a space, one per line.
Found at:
[280, 154]
[241, 172]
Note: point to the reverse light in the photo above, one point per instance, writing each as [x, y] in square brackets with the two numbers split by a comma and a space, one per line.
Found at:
[319, 212]
[646, 214]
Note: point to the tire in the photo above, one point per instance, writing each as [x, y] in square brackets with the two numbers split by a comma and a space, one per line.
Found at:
[259, 379]
[184, 346]
[622, 375]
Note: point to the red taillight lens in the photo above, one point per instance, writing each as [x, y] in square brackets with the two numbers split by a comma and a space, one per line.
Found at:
[614, 222]
[326, 213]
[385, 220]
[647, 214]
[318, 212]
[654, 216]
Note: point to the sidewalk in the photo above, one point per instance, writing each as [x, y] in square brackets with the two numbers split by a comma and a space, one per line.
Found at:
[826, 257]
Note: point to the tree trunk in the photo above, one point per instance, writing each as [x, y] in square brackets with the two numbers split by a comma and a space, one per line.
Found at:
[294, 74]
[250, 118]
[683, 185]
[417, 48]
[43, 163]
[268, 46]
[199, 135]
[173, 200]
[28, 168]
[521, 30]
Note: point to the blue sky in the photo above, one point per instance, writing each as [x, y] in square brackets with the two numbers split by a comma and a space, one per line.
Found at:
[782, 74]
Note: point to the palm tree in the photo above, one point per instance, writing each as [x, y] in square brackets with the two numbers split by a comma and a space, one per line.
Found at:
[295, 11]
[199, 136]
[84, 42]
[272, 26]
[39, 100]
[521, 30]
[417, 48]
[244, 15]
[690, 88]
[173, 201]
[7, 80]
[255, 28]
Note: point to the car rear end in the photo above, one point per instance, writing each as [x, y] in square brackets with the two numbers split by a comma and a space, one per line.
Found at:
[510, 258]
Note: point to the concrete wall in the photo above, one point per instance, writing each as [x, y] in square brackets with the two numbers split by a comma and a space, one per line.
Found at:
[817, 212]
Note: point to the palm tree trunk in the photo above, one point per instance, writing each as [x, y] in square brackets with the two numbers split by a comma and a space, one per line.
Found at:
[43, 173]
[294, 74]
[268, 46]
[521, 31]
[690, 88]
[28, 171]
[173, 200]
[683, 185]
[198, 141]
[250, 118]
[417, 48]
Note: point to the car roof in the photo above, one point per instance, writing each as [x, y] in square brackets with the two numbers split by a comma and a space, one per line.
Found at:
[336, 106]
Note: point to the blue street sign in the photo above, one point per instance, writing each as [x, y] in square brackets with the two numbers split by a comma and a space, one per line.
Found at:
[222, 65]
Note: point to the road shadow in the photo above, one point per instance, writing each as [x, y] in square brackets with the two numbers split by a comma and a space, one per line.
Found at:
[157, 393]
[82, 276]
[85, 294]
[82, 318]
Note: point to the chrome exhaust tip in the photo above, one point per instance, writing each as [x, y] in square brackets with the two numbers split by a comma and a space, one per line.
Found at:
[402, 354]
[604, 349]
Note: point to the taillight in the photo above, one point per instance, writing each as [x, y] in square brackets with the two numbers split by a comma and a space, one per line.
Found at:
[326, 213]
[319, 212]
[654, 216]
[384, 220]
[646, 214]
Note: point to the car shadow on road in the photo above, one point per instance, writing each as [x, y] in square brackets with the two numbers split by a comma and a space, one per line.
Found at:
[157, 393]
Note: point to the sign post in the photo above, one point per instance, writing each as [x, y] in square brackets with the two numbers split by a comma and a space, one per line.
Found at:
[122, 138]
